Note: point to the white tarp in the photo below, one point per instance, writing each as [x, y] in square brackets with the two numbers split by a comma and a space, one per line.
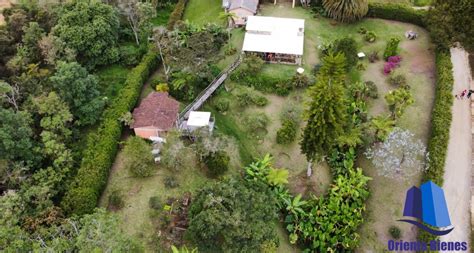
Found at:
[199, 119]
[274, 35]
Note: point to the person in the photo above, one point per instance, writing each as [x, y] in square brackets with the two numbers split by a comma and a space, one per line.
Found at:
[463, 93]
[470, 93]
[456, 96]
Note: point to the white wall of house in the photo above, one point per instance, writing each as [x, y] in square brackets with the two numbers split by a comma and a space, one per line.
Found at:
[146, 132]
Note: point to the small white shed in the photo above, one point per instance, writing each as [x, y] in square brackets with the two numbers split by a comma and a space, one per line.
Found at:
[197, 120]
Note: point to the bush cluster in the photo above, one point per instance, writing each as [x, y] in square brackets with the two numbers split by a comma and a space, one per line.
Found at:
[440, 119]
[247, 97]
[217, 163]
[287, 133]
[398, 12]
[130, 55]
[99, 155]
[391, 49]
[222, 104]
[177, 13]
[262, 82]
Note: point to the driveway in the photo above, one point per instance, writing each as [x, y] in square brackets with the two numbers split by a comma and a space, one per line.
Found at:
[457, 176]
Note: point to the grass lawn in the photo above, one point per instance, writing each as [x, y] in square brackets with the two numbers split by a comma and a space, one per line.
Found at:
[162, 15]
[202, 12]
[112, 79]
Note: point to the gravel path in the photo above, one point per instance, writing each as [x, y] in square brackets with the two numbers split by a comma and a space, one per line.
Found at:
[457, 176]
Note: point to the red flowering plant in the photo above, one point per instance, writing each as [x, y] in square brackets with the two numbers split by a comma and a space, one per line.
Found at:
[392, 63]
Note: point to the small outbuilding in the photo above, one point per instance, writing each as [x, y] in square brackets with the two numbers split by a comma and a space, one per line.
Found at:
[241, 8]
[156, 114]
[275, 40]
[198, 120]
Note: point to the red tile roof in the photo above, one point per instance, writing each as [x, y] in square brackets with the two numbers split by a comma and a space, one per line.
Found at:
[156, 110]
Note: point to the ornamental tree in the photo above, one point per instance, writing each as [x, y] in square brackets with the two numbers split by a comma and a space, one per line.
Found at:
[398, 100]
[400, 156]
[346, 10]
[327, 112]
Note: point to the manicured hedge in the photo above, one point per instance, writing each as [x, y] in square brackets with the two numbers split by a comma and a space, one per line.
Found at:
[398, 12]
[99, 155]
[440, 119]
[177, 13]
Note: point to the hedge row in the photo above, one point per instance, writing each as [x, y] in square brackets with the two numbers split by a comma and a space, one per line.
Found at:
[99, 155]
[177, 13]
[398, 12]
[440, 119]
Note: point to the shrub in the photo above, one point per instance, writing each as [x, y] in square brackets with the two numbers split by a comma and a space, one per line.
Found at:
[130, 55]
[217, 163]
[348, 46]
[362, 30]
[372, 90]
[361, 66]
[374, 56]
[101, 147]
[291, 112]
[300, 81]
[222, 104]
[399, 12]
[247, 96]
[392, 48]
[287, 133]
[398, 100]
[392, 63]
[138, 158]
[398, 80]
[230, 50]
[162, 87]
[440, 119]
[259, 100]
[258, 120]
[155, 203]
[116, 200]
[177, 13]
[395, 232]
[170, 182]
[370, 36]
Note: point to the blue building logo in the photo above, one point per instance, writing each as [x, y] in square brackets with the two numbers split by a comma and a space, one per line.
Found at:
[427, 205]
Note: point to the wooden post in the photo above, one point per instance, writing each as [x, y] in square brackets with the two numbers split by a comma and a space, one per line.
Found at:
[274, 2]
[294, 3]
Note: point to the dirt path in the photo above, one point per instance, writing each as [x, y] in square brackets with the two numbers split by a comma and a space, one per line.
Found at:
[457, 177]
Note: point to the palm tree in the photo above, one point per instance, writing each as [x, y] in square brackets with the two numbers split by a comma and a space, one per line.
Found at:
[228, 18]
[346, 10]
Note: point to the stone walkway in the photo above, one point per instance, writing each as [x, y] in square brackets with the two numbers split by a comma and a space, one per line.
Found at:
[457, 176]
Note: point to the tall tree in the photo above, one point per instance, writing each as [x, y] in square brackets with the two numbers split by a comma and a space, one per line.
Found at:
[346, 10]
[16, 143]
[139, 15]
[32, 35]
[451, 21]
[91, 29]
[327, 112]
[79, 89]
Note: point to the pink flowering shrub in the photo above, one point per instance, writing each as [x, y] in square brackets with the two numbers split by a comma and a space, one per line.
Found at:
[392, 63]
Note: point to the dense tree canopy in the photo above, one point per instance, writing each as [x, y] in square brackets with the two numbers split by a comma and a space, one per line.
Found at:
[452, 21]
[91, 29]
[16, 134]
[79, 89]
[233, 216]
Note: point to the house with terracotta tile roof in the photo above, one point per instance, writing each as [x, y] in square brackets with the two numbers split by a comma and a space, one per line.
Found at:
[156, 115]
